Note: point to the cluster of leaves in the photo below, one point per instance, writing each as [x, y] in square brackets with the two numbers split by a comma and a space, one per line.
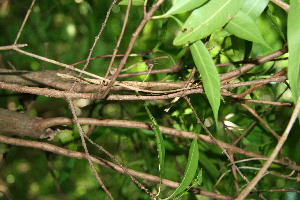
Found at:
[215, 31]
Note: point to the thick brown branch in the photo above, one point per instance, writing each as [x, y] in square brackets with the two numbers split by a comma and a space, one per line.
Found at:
[169, 131]
[22, 125]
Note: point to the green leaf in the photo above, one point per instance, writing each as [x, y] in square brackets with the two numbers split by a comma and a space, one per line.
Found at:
[293, 33]
[134, 3]
[279, 28]
[159, 142]
[199, 177]
[190, 169]
[206, 19]
[244, 27]
[181, 6]
[254, 8]
[209, 74]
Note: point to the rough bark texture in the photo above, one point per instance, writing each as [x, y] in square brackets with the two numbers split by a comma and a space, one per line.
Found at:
[22, 125]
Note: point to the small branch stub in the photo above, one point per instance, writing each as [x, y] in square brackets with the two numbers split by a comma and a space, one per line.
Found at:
[19, 124]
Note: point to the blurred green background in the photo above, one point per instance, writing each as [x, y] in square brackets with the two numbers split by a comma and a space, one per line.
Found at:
[65, 31]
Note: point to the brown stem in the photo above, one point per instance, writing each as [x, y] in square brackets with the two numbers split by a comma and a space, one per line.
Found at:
[147, 17]
[247, 67]
[169, 131]
[261, 120]
[278, 147]
[250, 90]
[22, 125]
[79, 155]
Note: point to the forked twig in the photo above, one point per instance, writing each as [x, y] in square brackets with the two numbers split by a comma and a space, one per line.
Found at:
[147, 17]
[81, 132]
[261, 120]
[278, 147]
[80, 155]
[96, 40]
[230, 158]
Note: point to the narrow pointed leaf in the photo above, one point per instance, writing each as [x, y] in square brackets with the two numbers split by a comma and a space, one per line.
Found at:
[254, 8]
[159, 142]
[209, 74]
[294, 48]
[199, 177]
[181, 6]
[245, 28]
[279, 28]
[206, 19]
[190, 169]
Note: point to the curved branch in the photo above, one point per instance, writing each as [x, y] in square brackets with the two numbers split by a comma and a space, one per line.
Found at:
[79, 155]
[46, 123]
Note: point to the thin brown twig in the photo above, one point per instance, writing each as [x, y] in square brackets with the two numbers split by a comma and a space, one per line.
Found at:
[121, 166]
[118, 43]
[108, 56]
[278, 147]
[250, 90]
[115, 97]
[282, 4]
[272, 103]
[257, 169]
[119, 39]
[251, 60]
[10, 47]
[225, 151]
[96, 40]
[45, 123]
[24, 21]
[81, 132]
[80, 155]
[173, 69]
[277, 190]
[146, 18]
[255, 122]
[261, 120]
[247, 67]
[254, 82]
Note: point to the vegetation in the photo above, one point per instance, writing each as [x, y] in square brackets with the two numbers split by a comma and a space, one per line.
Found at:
[157, 99]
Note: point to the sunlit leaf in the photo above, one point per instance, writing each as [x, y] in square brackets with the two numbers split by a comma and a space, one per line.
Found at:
[254, 8]
[244, 27]
[159, 142]
[206, 19]
[209, 75]
[190, 169]
[134, 3]
[294, 48]
[181, 6]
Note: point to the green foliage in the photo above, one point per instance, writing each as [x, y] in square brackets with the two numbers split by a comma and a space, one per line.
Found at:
[159, 142]
[243, 26]
[207, 19]
[216, 32]
[294, 48]
[190, 169]
[181, 6]
[134, 2]
[254, 8]
[209, 74]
